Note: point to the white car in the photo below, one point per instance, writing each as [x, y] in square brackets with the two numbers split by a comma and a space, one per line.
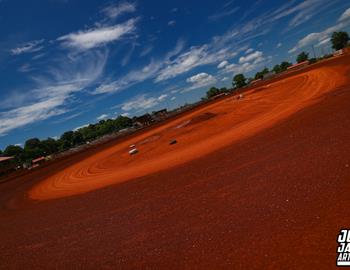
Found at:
[133, 151]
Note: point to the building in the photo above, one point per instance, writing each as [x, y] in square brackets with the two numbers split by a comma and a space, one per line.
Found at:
[7, 164]
[255, 81]
[160, 115]
[38, 161]
[269, 75]
[143, 120]
[218, 96]
[299, 65]
[338, 53]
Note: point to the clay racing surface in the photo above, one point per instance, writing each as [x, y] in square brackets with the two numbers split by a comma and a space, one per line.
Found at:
[257, 183]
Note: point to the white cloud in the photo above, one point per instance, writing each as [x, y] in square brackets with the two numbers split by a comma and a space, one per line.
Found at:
[114, 11]
[31, 113]
[25, 68]
[91, 38]
[194, 57]
[82, 126]
[162, 97]
[301, 12]
[129, 79]
[102, 117]
[249, 51]
[323, 42]
[31, 46]
[146, 51]
[140, 103]
[345, 15]
[319, 38]
[200, 80]
[223, 13]
[250, 57]
[246, 64]
[279, 45]
[183, 63]
[135, 76]
[54, 91]
[172, 23]
[223, 64]
[173, 98]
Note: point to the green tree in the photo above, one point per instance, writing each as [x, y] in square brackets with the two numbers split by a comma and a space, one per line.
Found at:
[260, 75]
[89, 133]
[32, 143]
[78, 138]
[213, 91]
[33, 149]
[15, 151]
[66, 140]
[277, 69]
[303, 56]
[285, 65]
[339, 40]
[50, 146]
[239, 81]
[122, 122]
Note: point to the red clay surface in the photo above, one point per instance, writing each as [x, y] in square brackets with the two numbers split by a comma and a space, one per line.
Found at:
[259, 183]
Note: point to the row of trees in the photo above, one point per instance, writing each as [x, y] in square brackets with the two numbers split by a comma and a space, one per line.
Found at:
[213, 91]
[240, 80]
[34, 148]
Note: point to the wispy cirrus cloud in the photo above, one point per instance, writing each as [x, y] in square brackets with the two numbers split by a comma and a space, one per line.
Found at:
[139, 75]
[223, 64]
[142, 102]
[102, 117]
[172, 23]
[96, 37]
[250, 57]
[245, 64]
[29, 47]
[146, 50]
[117, 9]
[53, 92]
[345, 16]
[200, 80]
[194, 57]
[223, 13]
[300, 12]
[320, 38]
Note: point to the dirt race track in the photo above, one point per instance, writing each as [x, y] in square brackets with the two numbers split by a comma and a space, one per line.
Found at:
[257, 183]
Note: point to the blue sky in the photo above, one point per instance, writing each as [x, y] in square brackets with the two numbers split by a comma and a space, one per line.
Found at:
[67, 63]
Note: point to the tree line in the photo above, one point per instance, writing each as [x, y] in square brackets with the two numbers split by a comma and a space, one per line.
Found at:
[339, 41]
[34, 147]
